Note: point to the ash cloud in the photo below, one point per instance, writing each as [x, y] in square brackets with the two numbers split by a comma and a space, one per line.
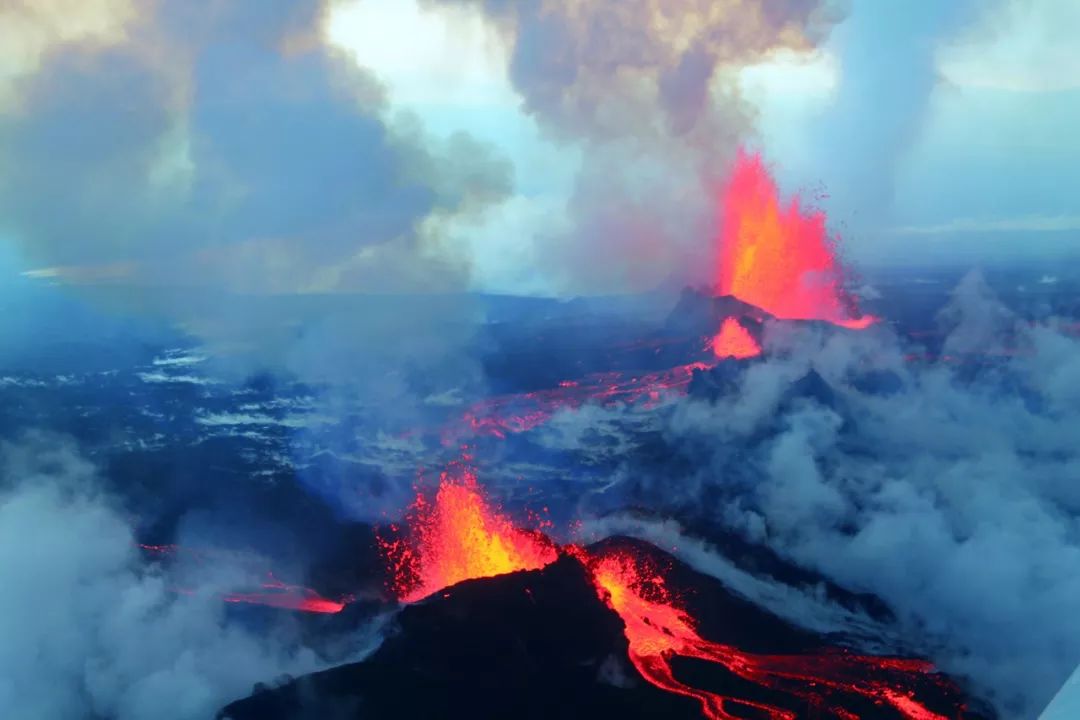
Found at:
[219, 167]
[203, 158]
[90, 629]
[647, 92]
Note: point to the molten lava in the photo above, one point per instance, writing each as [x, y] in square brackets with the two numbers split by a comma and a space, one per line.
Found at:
[658, 628]
[271, 592]
[734, 341]
[504, 414]
[459, 536]
[779, 258]
[274, 593]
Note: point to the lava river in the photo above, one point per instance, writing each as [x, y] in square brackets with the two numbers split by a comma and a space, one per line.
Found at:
[658, 628]
[459, 535]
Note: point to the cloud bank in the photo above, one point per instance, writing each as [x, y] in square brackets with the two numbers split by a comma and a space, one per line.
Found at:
[949, 492]
[90, 629]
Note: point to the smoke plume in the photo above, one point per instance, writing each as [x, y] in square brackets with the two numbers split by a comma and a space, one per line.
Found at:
[90, 629]
[647, 91]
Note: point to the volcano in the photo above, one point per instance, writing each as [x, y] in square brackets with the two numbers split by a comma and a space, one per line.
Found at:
[545, 643]
[499, 621]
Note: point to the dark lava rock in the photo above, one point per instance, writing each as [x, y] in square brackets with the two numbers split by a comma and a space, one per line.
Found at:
[542, 645]
[720, 381]
[528, 645]
[701, 313]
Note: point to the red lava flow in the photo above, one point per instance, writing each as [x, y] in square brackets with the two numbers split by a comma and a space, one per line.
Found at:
[270, 592]
[274, 593]
[658, 628]
[458, 535]
[506, 414]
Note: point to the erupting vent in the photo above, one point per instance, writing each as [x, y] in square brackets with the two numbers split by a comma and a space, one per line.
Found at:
[779, 258]
[459, 536]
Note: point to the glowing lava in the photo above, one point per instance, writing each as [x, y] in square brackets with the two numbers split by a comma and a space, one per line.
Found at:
[274, 593]
[459, 536]
[779, 258]
[734, 341]
[657, 629]
[504, 414]
[271, 592]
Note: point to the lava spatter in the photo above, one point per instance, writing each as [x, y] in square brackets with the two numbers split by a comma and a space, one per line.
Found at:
[458, 535]
[779, 258]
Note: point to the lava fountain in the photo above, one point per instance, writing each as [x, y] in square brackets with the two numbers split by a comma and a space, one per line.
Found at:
[779, 258]
[456, 536]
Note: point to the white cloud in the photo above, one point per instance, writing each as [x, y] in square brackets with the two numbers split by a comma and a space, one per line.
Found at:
[92, 631]
[452, 55]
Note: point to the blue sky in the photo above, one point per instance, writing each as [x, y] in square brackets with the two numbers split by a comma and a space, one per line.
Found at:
[930, 132]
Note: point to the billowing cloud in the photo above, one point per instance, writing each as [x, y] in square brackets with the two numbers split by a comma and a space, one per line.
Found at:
[647, 92]
[229, 148]
[109, 636]
[205, 157]
[947, 489]
[947, 493]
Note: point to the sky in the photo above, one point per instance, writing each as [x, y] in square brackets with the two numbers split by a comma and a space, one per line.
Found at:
[446, 145]
[989, 151]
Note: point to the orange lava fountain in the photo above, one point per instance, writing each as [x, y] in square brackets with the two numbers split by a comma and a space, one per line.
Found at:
[658, 629]
[779, 258]
[734, 341]
[459, 536]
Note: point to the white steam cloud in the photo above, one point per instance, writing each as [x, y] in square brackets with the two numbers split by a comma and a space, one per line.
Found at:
[92, 631]
[950, 489]
[953, 498]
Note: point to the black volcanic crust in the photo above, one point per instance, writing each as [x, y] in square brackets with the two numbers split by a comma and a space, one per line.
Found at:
[542, 644]
[528, 645]
[701, 313]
